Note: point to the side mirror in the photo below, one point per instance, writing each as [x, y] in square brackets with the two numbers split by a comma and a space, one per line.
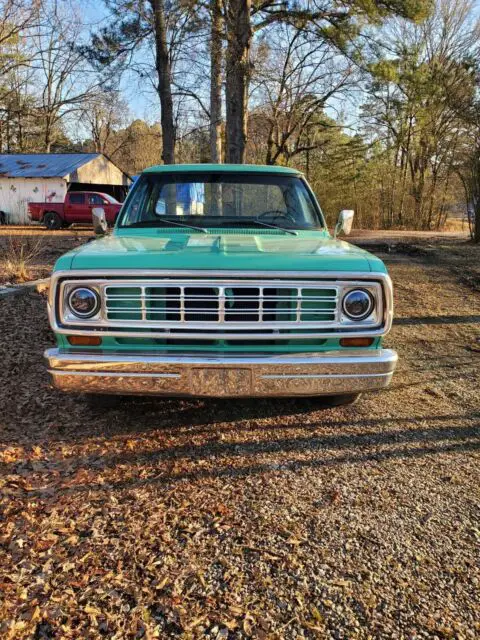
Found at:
[99, 221]
[345, 221]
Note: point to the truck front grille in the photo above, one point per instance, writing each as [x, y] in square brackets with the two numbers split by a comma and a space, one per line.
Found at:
[222, 309]
[237, 305]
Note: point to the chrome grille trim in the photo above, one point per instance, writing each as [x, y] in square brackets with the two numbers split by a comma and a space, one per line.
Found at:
[108, 317]
[186, 305]
[222, 329]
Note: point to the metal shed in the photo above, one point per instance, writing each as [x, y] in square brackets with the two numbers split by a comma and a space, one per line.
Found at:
[46, 177]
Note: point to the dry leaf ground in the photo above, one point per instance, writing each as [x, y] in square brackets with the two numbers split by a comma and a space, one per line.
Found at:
[263, 519]
[41, 248]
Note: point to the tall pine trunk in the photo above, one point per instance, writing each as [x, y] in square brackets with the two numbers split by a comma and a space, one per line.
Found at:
[476, 197]
[162, 63]
[216, 81]
[239, 33]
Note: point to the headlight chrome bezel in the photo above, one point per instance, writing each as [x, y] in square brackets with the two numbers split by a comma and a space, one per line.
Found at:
[366, 314]
[72, 313]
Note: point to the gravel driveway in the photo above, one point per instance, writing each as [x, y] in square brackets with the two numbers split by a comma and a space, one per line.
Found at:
[263, 519]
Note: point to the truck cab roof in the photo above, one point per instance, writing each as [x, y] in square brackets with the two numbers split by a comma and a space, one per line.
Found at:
[223, 168]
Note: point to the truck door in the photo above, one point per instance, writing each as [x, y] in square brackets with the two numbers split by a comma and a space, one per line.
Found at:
[76, 209]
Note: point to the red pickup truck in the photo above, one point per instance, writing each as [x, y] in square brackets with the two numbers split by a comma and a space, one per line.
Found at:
[77, 207]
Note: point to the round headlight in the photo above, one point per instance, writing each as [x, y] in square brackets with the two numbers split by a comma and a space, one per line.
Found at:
[83, 302]
[358, 304]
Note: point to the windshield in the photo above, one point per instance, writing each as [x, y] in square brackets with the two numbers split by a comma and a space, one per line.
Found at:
[206, 200]
[110, 198]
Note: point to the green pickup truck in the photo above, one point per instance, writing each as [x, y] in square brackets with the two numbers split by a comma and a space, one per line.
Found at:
[220, 280]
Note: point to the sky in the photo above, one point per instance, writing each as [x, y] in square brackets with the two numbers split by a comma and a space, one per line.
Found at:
[141, 104]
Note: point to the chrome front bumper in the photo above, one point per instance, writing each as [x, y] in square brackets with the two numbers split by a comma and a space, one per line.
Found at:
[196, 375]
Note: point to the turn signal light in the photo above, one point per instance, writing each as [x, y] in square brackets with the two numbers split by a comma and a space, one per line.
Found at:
[356, 342]
[84, 341]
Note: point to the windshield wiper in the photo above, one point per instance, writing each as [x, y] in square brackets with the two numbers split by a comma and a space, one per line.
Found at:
[261, 223]
[153, 223]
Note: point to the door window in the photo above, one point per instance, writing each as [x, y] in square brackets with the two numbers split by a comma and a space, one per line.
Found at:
[77, 198]
[95, 199]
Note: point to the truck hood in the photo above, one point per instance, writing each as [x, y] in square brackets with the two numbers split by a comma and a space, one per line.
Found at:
[245, 250]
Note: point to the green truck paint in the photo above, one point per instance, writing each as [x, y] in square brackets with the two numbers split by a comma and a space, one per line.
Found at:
[261, 250]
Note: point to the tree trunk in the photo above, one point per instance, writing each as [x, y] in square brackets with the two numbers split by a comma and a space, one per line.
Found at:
[476, 191]
[47, 137]
[239, 32]
[162, 63]
[8, 133]
[269, 156]
[20, 131]
[216, 82]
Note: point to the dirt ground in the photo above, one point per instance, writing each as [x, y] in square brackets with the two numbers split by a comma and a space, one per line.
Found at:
[252, 519]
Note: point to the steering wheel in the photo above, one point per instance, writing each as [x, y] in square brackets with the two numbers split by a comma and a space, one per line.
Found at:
[275, 214]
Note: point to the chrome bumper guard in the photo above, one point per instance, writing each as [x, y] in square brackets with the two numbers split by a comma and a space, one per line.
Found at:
[205, 375]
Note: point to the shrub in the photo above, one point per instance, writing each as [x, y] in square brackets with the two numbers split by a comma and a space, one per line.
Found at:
[17, 257]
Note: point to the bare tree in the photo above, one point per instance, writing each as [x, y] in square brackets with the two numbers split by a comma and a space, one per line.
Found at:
[296, 75]
[103, 116]
[416, 97]
[18, 129]
[16, 17]
[64, 79]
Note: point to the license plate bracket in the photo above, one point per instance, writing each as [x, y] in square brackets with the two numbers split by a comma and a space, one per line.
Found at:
[220, 381]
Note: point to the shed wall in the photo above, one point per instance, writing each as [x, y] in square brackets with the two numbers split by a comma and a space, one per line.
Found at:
[16, 193]
[99, 171]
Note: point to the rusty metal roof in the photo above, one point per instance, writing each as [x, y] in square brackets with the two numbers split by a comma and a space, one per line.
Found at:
[42, 165]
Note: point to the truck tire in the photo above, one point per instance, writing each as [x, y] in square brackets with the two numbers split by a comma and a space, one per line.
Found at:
[52, 221]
